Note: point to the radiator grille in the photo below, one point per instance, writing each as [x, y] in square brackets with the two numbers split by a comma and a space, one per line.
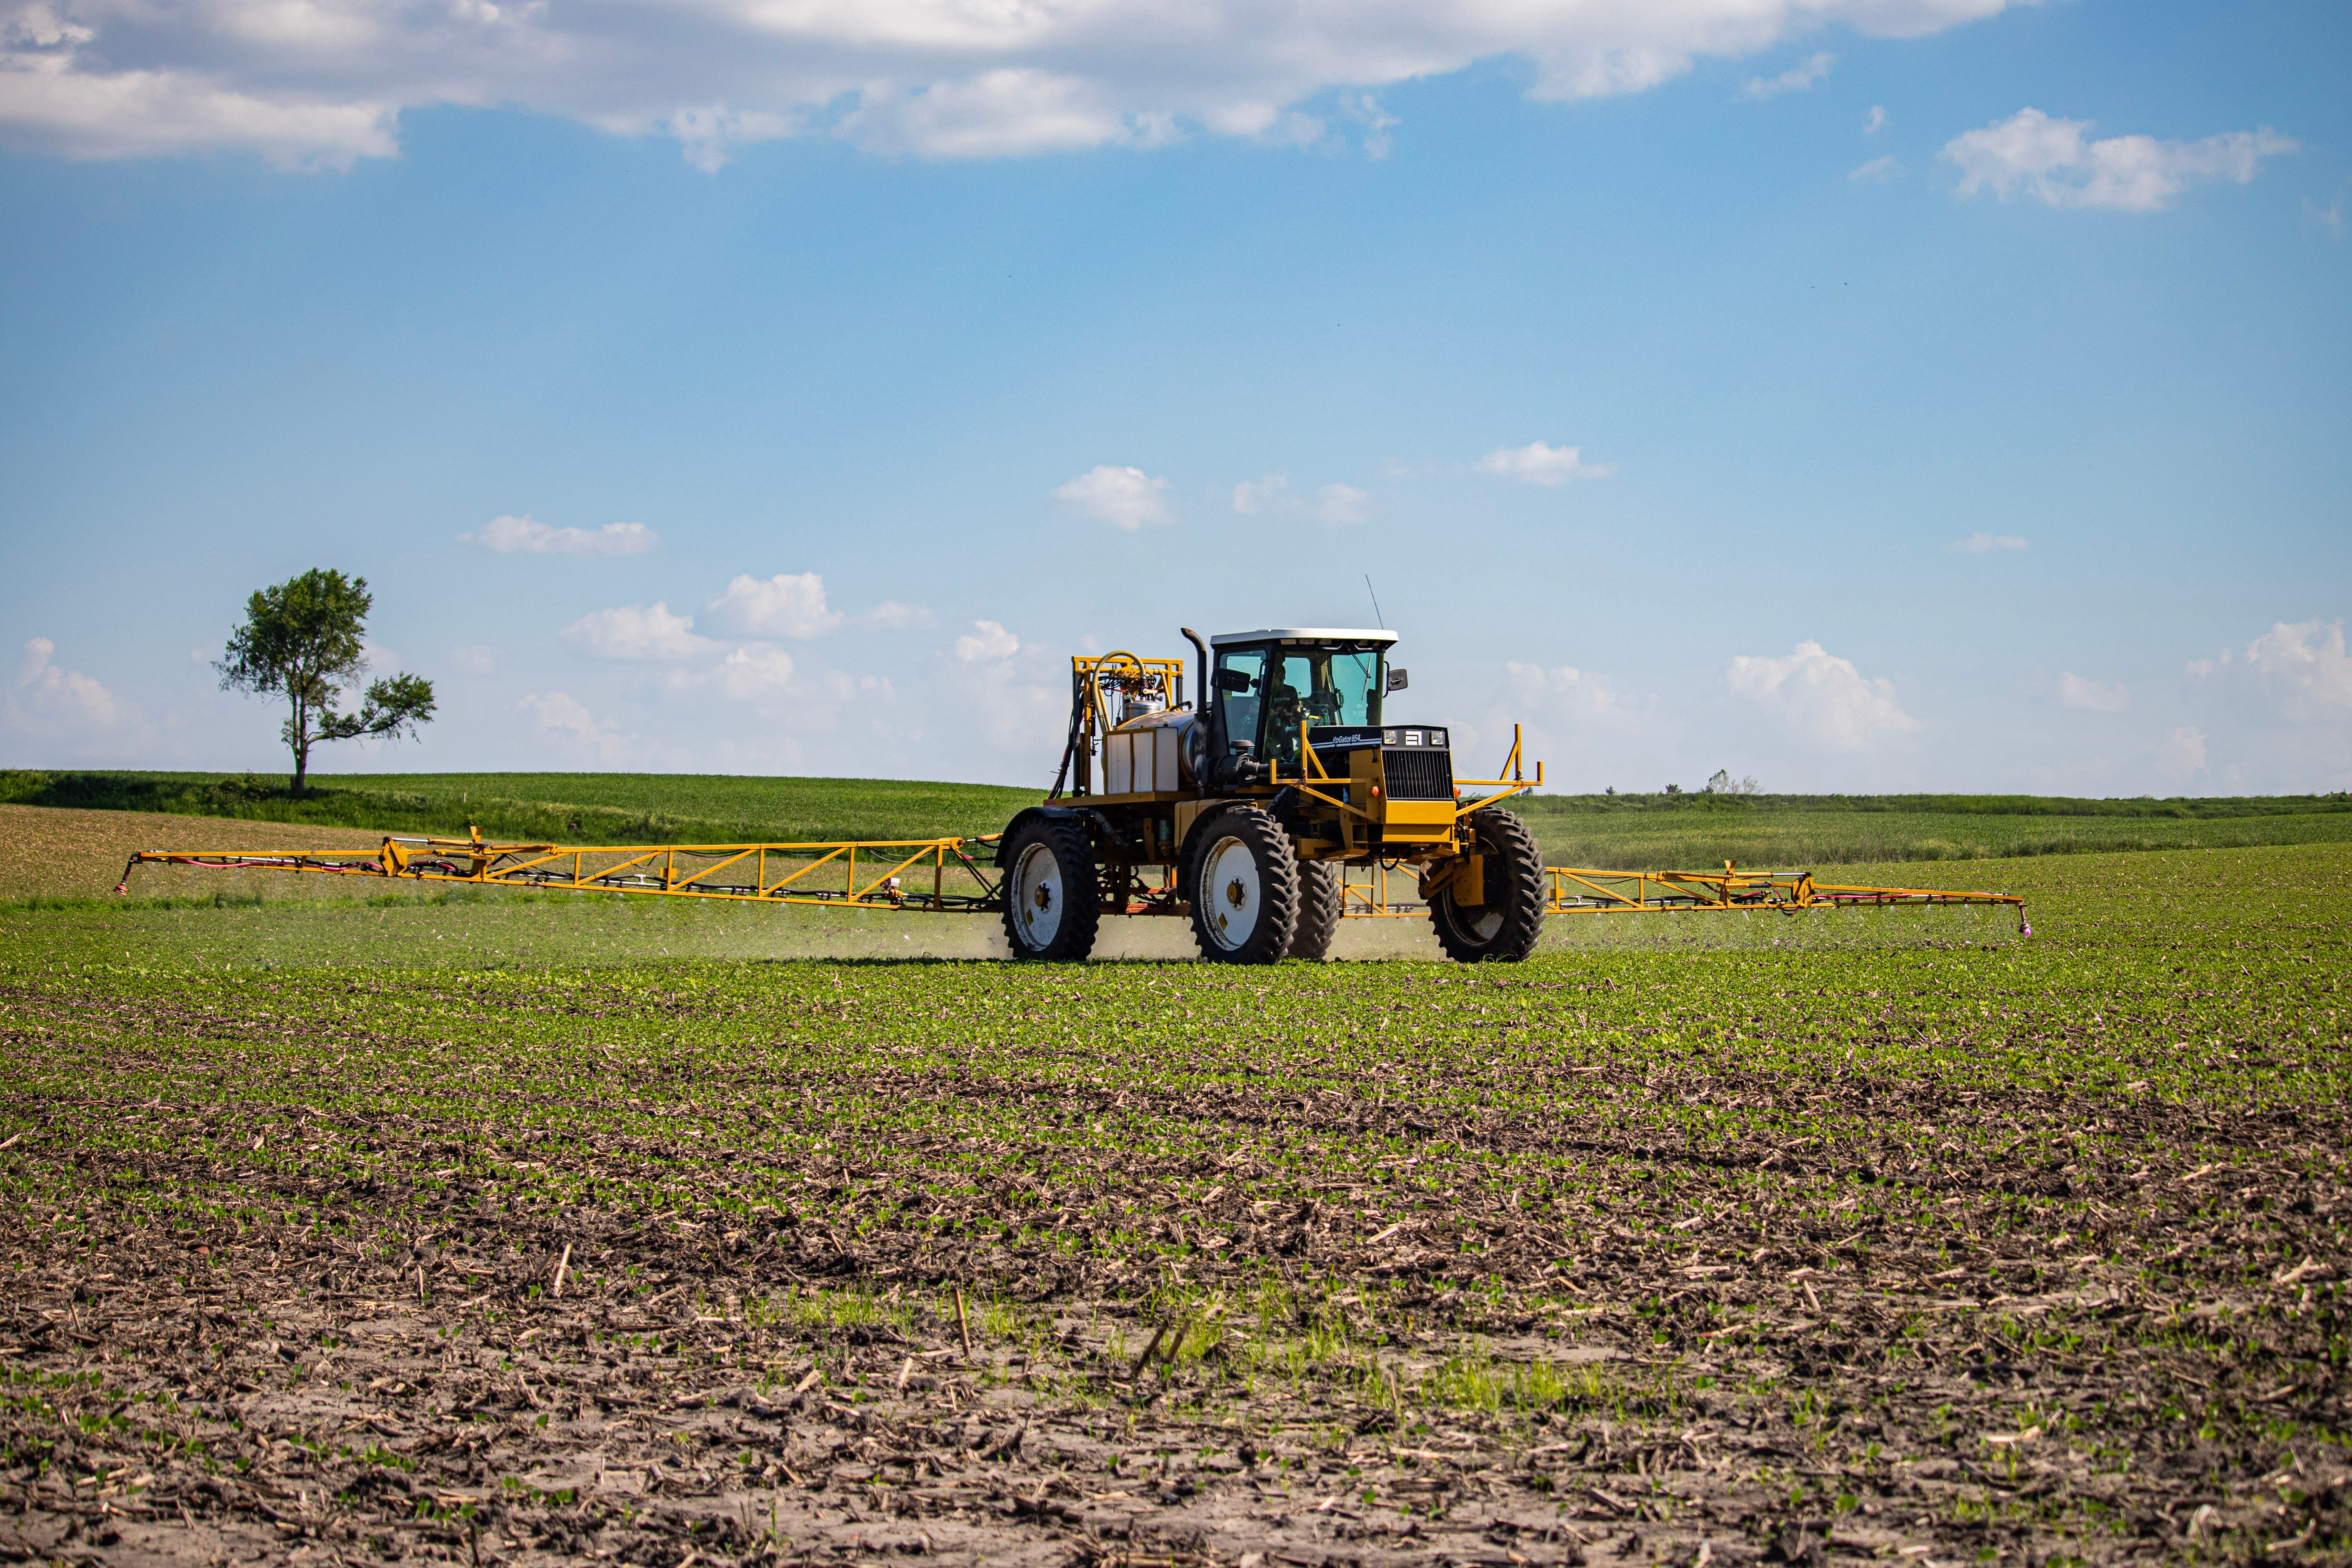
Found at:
[1418, 775]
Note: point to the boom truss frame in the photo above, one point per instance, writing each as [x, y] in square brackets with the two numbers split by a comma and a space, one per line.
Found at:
[876, 873]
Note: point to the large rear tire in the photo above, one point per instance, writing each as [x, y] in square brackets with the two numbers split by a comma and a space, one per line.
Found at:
[1052, 902]
[1319, 911]
[1241, 873]
[1505, 928]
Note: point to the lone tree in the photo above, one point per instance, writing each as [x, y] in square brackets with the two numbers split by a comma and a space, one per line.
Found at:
[301, 638]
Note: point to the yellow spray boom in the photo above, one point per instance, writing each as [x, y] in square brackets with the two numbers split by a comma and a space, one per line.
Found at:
[891, 873]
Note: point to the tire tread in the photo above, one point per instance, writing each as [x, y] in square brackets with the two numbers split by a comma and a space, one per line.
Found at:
[1515, 867]
[1081, 888]
[1277, 863]
[1319, 904]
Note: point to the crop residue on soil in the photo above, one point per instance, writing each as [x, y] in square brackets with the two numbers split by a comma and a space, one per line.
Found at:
[1932, 1255]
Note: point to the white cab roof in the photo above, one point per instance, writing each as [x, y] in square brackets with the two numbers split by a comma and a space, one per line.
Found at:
[1313, 634]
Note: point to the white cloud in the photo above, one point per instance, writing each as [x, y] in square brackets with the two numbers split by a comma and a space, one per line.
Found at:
[992, 642]
[2180, 753]
[1985, 544]
[323, 82]
[792, 604]
[1012, 698]
[831, 696]
[1574, 720]
[709, 134]
[50, 700]
[1377, 122]
[1563, 691]
[890, 616]
[771, 679]
[1540, 464]
[2052, 161]
[994, 115]
[2092, 696]
[526, 535]
[637, 631]
[1331, 503]
[566, 721]
[1337, 503]
[1126, 497]
[478, 658]
[1875, 121]
[750, 673]
[1796, 78]
[1824, 694]
[2305, 667]
[2329, 217]
[1254, 496]
[788, 605]
[48, 105]
[1878, 170]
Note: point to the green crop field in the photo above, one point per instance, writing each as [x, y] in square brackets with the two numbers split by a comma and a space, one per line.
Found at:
[542, 1229]
[572, 808]
[1620, 832]
[1688, 831]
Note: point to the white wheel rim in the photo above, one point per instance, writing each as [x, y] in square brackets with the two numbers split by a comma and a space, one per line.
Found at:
[1037, 895]
[1230, 898]
[1482, 926]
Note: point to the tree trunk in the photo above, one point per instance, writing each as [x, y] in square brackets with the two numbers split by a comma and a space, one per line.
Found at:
[301, 742]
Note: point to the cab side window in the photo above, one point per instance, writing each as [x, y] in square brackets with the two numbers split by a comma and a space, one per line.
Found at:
[1294, 694]
[1241, 687]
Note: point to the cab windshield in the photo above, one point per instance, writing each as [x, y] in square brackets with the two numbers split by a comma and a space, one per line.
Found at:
[1291, 686]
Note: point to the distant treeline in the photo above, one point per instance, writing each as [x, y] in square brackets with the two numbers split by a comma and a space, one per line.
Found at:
[2175, 807]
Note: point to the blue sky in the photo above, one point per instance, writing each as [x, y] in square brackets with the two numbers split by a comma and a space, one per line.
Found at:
[1893, 394]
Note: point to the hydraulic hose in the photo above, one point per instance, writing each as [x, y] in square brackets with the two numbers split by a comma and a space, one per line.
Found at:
[1070, 743]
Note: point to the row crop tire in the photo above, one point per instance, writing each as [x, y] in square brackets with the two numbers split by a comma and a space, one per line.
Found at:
[1052, 900]
[1241, 872]
[1505, 928]
[1319, 911]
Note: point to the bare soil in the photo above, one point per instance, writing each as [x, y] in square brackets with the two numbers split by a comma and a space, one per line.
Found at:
[1907, 1377]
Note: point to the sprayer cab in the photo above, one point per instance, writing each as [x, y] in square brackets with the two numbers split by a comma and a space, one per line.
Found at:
[1271, 688]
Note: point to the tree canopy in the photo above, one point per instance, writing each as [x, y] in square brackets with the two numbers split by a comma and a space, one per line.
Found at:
[305, 639]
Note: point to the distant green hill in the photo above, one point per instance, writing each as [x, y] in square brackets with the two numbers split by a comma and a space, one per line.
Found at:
[1660, 832]
[572, 808]
[1690, 832]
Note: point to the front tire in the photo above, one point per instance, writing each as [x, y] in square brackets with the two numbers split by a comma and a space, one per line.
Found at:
[1052, 908]
[1505, 928]
[1241, 874]
[1319, 911]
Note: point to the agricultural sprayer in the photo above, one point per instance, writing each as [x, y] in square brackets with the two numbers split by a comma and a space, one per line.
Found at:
[1284, 799]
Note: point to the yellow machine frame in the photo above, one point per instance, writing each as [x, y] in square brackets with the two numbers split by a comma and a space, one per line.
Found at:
[636, 870]
[1304, 781]
[889, 863]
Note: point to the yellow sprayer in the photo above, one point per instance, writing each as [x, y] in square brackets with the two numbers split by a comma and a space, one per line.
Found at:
[1283, 800]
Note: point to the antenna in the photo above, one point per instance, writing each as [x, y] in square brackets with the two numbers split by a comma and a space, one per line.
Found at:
[1376, 600]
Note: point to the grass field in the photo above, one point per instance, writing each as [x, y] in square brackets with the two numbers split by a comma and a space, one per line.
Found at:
[1620, 832]
[1687, 832]
[1914, 1242]
[570, 808]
